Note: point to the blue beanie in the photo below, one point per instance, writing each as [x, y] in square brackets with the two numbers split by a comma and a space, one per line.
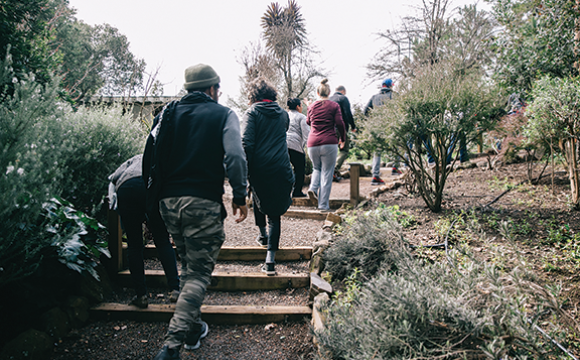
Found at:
[387, 83]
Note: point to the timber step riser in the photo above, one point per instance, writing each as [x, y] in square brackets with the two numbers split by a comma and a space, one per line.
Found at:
[306, 214]
[210, 313]
[228, 281]
[333, 203]
[246, 253]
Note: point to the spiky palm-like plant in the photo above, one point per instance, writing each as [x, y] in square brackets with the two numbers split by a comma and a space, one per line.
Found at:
[284, 31]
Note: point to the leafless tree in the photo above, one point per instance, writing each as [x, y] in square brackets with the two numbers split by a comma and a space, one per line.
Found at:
[436, 35]
[257, 62]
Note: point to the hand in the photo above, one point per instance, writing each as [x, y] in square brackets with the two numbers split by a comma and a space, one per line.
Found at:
[353, 130]
[243, 212]
[307, 102]
[341, 144]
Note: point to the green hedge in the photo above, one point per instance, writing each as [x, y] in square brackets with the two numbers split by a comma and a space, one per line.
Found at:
[47, 151]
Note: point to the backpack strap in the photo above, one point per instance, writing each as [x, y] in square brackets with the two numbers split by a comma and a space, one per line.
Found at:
[159, 135]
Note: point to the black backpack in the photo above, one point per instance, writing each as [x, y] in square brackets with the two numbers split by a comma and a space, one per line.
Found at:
[153, 156]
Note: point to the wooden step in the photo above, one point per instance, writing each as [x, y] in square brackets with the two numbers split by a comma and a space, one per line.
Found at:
[228, 281]
[256, 253]
[300, 213]
[246, 253]
[333, 203]
[213, 314]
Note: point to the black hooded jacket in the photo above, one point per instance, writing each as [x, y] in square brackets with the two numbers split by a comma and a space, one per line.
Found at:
[269, 169]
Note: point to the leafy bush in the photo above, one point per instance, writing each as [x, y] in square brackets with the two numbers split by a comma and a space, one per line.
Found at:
[79, 240]
[462, 309]
[28, 174]
[432, 112]
[47, 150]
[366, 244]
[95, 142]
[553, 118]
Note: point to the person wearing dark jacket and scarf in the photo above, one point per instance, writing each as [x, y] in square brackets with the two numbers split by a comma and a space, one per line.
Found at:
[340, 98]
[269, 169]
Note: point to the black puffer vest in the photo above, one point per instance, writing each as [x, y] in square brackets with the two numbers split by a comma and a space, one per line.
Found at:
[193, 164]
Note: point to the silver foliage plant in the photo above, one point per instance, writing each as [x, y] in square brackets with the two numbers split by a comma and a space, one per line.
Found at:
[463, 309]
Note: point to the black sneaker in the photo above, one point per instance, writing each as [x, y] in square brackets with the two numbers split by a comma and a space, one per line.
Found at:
[140, 301]
[269, 269]
[167, 354]
[193, 341]
[336, 178]
[396, 171]
[262, 240]
[299, 195]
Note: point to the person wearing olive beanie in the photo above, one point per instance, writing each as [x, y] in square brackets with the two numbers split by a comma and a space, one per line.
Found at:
[198, 141]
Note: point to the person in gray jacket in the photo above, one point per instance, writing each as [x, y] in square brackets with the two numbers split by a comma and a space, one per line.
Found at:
[376, 101]
[127, 196]
[296, 138]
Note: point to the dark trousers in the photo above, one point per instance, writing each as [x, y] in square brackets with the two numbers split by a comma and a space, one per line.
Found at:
[131, 208]
[342, 155]
[427, 142]
[463, 156]
[298, 161]
[274, 225]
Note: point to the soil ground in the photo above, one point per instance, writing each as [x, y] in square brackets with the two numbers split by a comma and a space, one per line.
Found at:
[541, 224]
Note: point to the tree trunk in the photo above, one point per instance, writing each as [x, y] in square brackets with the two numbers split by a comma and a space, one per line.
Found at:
[577, 36]
[572, 156]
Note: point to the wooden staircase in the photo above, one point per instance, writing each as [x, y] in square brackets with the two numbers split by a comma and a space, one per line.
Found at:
[221, 281]
[228, 281]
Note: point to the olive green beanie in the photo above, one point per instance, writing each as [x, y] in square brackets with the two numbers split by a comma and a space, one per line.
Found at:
[200, 76]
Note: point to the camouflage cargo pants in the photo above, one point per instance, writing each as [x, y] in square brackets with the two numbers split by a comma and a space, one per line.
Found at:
[197, 229]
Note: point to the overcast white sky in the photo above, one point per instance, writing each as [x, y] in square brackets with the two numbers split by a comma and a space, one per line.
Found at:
[175, 34]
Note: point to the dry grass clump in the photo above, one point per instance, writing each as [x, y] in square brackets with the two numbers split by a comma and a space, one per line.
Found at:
[462, 309]
[366, 244]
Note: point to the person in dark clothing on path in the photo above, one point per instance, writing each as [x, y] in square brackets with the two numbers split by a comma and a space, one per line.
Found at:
[127, 195]
[196, 142]
[340, 97]
[376, 101]
[296, 138]
[269, 169]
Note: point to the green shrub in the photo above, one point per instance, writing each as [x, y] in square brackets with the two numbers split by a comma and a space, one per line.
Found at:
[428, 310]
[28, 172]
[553, 118]
[47, 150]
[365, 244]
[433, 110]
[95, 142]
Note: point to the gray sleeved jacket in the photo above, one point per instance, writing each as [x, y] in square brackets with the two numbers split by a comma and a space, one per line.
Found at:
[235, 157]
[130, 169]
[298, 131]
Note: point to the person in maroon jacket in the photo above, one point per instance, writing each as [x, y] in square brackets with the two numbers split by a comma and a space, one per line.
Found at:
[324, 118]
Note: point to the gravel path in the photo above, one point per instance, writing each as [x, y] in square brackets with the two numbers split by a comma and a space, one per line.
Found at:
[127, 340]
